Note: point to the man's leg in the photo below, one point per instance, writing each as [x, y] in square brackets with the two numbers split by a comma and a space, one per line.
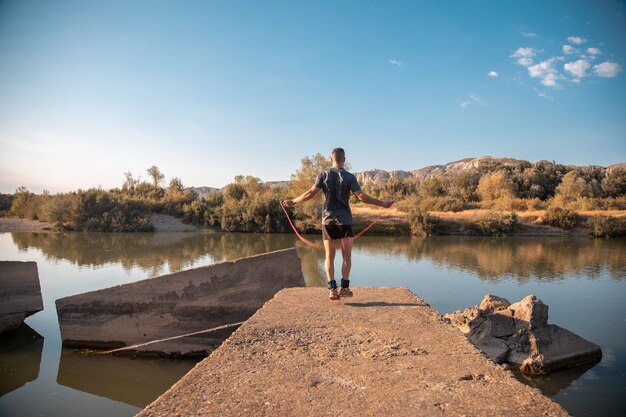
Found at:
[346, 254]
[330, 247]
[346, 265]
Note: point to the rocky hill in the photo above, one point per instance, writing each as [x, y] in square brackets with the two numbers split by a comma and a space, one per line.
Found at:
[377, 176]
[203, 191]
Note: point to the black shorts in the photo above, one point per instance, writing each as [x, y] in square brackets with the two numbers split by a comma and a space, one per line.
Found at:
[337, 231]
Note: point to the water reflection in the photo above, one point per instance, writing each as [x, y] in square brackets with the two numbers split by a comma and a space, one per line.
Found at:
[134, 381]
[496, 260]
[488, 258]
[151, 252]
[556, 382]
[20, 356]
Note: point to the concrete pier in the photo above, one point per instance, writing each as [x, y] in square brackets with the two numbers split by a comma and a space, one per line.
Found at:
[382, 352]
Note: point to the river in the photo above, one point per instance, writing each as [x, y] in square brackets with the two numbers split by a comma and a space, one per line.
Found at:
[582, 280]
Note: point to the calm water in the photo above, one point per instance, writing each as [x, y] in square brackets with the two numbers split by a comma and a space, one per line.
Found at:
[582, 280]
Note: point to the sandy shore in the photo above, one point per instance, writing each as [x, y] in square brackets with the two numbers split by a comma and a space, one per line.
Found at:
[161, 222]
[166, 223]
[23, 225]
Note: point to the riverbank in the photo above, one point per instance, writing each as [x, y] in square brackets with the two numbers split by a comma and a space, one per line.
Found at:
[161, 223]
[529, 223]
[394, 223]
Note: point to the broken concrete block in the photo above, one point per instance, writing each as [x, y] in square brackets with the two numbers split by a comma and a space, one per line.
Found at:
[20, 293]
[177, 304]
[519, 334]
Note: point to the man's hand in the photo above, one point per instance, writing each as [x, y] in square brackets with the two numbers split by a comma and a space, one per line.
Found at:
[387, 203]
[288, 203]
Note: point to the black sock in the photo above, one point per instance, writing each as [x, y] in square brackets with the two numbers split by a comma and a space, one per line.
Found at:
[332, 284]
[345, 283]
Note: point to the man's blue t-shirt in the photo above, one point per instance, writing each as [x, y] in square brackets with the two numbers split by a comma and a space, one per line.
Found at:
[337, 184]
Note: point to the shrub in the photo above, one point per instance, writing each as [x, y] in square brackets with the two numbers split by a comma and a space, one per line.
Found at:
[421, 223]
[493, 223]
[561, 217]
[603, 226]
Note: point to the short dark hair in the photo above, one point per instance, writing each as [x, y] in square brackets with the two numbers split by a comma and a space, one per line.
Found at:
[339, 154]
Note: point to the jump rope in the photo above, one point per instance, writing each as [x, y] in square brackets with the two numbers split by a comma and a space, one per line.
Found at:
[317, 245]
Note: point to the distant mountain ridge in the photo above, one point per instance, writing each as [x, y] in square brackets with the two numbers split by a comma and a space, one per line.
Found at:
[376, 176]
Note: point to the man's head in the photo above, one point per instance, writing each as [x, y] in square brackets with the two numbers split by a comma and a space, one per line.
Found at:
[338, 157]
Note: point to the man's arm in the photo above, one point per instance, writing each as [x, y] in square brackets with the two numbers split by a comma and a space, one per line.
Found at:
[371, 200]
[304, 197]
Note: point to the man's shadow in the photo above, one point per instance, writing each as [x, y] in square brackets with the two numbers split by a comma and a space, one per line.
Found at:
[384, 304]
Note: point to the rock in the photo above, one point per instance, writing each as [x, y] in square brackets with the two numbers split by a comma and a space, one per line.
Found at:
[530, 313]
[20, 293]
[519, 334]
[496, 349]
[502, 323]
[492, 303]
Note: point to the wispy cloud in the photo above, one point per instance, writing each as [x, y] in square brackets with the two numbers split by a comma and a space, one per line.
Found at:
[524, 56]
[594, 51]
[395, 62]
[492, 74]
[471, 99]
[576, 40]
[607, 69]
[544, 95]
[529, 34]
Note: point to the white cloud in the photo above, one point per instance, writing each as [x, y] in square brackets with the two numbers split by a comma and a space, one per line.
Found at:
[577, 68]
[492, 74]
[594, 51]
[546, 96]
[524, 56]
[395, 62]
[471, 98]
[576, 40]
[546, 72]
[607, 69]
[529, 34]
[569, 49]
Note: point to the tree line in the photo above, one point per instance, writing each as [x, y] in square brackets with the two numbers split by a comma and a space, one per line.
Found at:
[249, 205]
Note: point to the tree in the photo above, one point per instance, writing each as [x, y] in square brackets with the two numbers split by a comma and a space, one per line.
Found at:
[304, 178]
[614, 183]
[129, 182]
[156, 175]
[176, 184]
[495, 186]
[307, 215]
[572, 187]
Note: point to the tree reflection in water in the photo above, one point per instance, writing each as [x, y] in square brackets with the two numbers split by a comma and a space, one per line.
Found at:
[491, 259]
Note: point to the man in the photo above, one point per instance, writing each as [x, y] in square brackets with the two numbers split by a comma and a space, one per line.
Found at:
[337, 184]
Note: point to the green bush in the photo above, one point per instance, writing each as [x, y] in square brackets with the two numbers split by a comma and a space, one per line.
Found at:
[561, 217]
[493, 223]
[604, 226]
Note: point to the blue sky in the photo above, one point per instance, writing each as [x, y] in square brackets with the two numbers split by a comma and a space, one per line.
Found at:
[207, 90]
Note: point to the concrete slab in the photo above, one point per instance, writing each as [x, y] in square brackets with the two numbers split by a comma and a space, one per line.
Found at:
[177, 304]
[383, 352]
[20, 293]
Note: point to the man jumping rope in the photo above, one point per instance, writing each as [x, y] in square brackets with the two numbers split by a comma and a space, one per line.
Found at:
[337, 183]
